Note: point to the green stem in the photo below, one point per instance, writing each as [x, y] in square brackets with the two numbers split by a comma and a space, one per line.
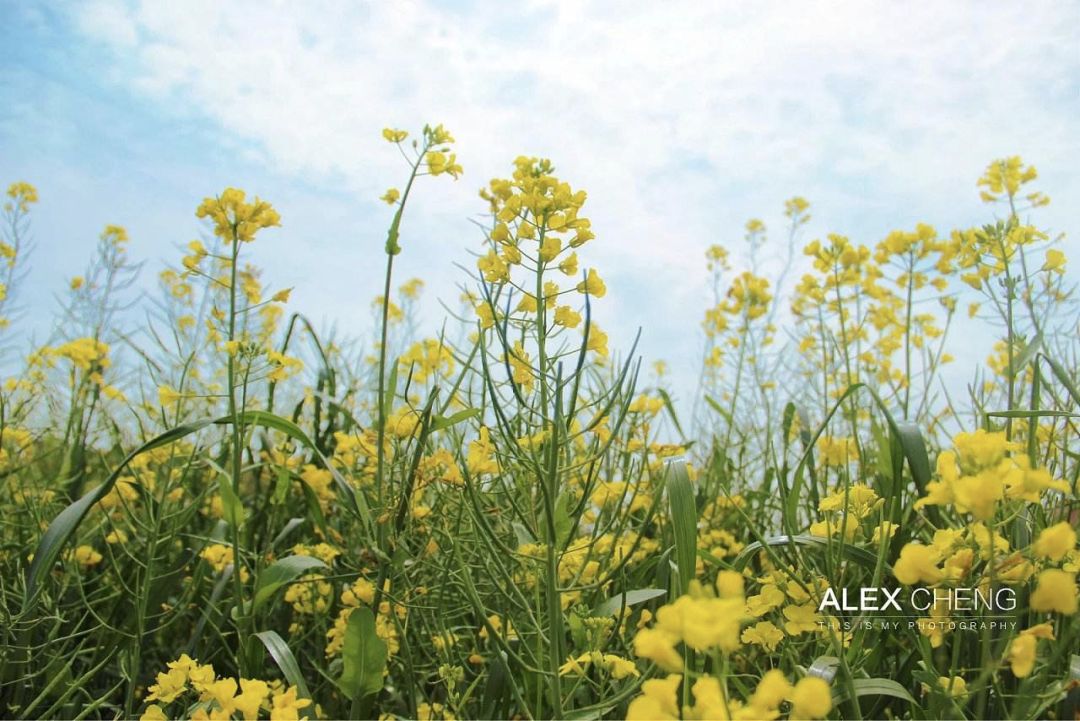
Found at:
[244, 623]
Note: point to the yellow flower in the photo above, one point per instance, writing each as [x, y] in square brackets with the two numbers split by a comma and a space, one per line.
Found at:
[658, 700]
[520, 365]
[22, 195]
[1055, 261]
[393, 135]
[222, 691]
[439, 163]
[403, 422]
[390, 196]
[763, 634]
[592, 285]
[576, 665]
[85, 353]
[886, 529]
[1023, 650]
[838, 452]
[1056, 541]
[218, 555]
[619, 667]
[597, 341]
[1042, 630]
[250, 699]
[801, 619]
[493, 268]
[169, 685]
[412, 288]
[115, 234]
[770, 597]
[480, 458]
[567, 316]
[917, 563]
[1056, 591]
[439, 135]
[1004, 177]
[771, 692]
[811, 698]
[1021, 656]
[236, 219]
[955, 686]
[153, 712]
[569, 264]
[77, 282]
[977, 494]
[440, 466]
[282, 296]
[117, 535]
[659, 648]
[286, 707]
[86, 556]
[485, 314]
[710, 701]
[729, 584]
[981, 450]
[823, 529]
[527, 304]
[550, 248]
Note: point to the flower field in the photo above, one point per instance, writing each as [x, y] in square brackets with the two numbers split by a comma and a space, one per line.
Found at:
[238, 518]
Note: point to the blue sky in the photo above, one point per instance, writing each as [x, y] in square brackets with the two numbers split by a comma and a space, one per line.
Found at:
[682, 121]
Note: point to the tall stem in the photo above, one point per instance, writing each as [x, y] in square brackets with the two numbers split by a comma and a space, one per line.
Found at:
[551, 484]
[907, 333]
[244, 621]
[392, 249]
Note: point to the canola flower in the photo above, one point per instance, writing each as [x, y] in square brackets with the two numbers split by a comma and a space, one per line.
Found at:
[487, 522]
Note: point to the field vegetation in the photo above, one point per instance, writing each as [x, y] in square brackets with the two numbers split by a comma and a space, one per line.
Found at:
[224, 514]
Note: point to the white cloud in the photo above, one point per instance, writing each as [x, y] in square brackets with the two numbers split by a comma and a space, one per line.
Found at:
[108, 21]
[681, 119]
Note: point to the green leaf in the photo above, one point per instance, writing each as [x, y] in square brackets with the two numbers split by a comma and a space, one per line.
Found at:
[390, 390]
[283, 657]
[564, 521]
[522, 533]
[882, 687]
[496, 694]
[65, 523]
[281, 486]
[718, 408]
[671, 411]
[684, 521]
[613, 605]
[290, 526]
[914, 447]
[1063, 377]
[1032, 414]
[443, 422]
[363, 655]
[1025, 356]
[277, 423]
[231, 504]
[911, 443]
[281, 573]
[884, 456]
[861, 556]
[786, 422]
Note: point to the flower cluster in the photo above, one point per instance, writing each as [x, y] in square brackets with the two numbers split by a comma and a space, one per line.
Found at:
[220, 698]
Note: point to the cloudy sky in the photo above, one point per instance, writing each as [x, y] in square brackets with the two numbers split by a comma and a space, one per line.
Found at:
[682, 120]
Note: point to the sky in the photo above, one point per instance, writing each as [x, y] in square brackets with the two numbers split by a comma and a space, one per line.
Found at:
[681, 120]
